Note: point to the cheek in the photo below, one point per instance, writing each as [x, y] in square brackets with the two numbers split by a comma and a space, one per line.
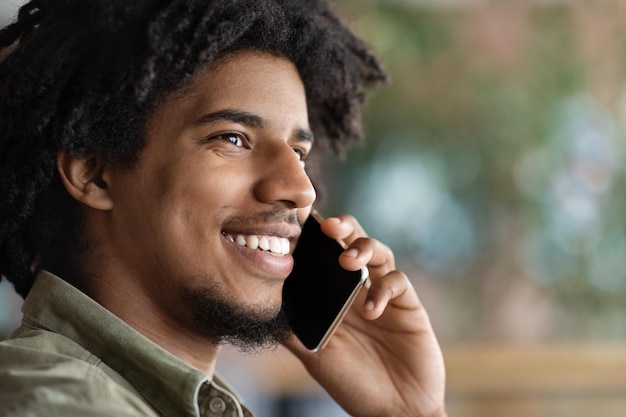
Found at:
[205, 196]
[190, 198]
[197, 202]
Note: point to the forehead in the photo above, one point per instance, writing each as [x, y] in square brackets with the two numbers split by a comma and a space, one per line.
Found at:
[247, 80]
[240, 74]
[258, 83]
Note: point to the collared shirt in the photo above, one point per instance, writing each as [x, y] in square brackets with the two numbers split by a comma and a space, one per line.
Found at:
[73, 358]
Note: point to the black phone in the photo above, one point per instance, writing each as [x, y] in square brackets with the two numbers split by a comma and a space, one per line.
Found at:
[318, 292]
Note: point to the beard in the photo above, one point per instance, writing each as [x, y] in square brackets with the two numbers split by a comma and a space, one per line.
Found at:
[224, 321]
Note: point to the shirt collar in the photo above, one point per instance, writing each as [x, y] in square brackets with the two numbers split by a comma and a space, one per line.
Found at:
[169, 384]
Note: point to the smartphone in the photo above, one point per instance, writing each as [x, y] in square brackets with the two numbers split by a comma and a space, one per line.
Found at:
[318, 292]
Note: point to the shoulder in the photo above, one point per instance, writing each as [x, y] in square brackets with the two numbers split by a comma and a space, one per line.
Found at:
[44, 374]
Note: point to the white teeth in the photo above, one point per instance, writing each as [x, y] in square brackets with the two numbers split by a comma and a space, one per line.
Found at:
[264, 243]
[272, 244]
[285, 245]
[252, 242]
[275, 246]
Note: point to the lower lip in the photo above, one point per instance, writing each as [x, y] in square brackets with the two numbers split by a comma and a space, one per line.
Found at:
[275, 265]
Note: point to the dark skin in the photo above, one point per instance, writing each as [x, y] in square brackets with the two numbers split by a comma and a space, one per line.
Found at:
[388, 329]
[225, 158]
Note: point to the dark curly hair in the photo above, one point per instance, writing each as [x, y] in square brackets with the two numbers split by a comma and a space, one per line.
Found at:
[83, 76]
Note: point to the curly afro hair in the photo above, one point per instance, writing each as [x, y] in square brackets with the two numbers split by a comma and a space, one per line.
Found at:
[83, 76]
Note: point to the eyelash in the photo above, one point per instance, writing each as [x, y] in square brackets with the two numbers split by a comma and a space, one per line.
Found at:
[302, 153]
[224, 136]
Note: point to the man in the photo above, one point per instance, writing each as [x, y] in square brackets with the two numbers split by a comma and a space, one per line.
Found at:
[145, 147]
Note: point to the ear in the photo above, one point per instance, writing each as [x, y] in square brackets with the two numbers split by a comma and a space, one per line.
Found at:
[85, 179]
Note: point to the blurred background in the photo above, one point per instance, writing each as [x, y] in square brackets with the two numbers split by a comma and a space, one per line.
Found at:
[494, 168]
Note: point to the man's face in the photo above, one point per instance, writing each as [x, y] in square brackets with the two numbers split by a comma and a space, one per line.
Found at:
[212, 209]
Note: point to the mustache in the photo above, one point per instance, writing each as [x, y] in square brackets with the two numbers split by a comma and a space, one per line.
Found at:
[274, 215]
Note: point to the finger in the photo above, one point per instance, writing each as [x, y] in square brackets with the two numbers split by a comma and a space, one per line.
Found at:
[293, 344]
[369, 252]
[360, 250]
[393, 288]
[344, 228]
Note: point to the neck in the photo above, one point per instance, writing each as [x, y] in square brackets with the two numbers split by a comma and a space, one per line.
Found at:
[129, 302]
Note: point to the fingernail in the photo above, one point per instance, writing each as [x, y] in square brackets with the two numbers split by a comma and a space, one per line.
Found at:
[351, 253]
[369, 305]
[334, 219]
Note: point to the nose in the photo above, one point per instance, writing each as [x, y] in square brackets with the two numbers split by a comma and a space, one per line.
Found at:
[283, 180]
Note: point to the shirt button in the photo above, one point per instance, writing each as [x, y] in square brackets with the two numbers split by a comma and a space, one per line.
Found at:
[217, 405]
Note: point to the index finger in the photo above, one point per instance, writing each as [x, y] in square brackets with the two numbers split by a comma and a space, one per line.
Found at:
[343, 227]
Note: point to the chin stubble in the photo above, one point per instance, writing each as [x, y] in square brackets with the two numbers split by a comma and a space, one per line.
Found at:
[223, 321]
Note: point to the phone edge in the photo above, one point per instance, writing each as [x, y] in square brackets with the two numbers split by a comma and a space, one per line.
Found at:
[344, 309]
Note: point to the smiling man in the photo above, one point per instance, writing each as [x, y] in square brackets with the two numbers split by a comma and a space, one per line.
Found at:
[154, 179]
[222, 164]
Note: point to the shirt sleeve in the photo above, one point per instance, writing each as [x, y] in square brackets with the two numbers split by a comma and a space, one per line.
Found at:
[67, 397]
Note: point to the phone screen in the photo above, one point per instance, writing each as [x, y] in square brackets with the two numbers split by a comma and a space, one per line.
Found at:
[318, 291]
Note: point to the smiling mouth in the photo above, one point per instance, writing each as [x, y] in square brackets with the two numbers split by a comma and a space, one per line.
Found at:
[274, 245]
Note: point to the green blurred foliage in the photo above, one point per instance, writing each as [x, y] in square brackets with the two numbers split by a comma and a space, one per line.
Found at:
[511, 118]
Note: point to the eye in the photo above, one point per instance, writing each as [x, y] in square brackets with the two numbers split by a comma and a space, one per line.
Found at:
[301, 153]
[233, 138]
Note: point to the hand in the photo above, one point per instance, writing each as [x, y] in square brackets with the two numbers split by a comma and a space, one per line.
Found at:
[384, 359]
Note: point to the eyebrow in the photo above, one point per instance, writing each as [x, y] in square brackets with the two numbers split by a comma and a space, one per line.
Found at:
[250, 120]
[305, 135]
[236, 116]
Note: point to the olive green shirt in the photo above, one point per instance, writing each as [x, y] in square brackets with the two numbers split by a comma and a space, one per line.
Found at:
[73, 358]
